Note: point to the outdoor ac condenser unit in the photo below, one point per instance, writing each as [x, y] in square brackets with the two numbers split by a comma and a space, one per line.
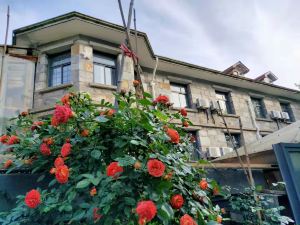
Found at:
[202, 103]
[226, 150]
[285, 115]
[213, 152]
[275, 115]
[214, 106]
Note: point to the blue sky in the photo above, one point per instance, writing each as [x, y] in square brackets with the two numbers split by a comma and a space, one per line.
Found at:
[264, 35]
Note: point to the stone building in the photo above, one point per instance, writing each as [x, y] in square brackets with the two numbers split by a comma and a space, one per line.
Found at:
[82, 53]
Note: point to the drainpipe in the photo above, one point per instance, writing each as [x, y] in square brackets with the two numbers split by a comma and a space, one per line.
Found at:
[250, 107]
[152, 83]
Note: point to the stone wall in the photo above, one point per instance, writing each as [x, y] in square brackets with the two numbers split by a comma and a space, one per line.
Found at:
[211, 129]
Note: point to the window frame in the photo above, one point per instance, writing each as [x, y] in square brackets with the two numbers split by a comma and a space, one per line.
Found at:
[262, 106]
[187, 93]
[114, 77]
[228, 101]
[288, 110]
[195, 155]
[236, 137]
[61, 66]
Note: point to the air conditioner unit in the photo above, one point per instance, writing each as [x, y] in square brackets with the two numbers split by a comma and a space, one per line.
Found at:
[213, 152]
[226, 150]
[214, 106]
[285, 115]
[202, 103]
[275, 115]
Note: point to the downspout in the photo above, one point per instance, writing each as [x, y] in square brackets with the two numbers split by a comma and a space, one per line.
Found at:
[152, 83]
[250, 107]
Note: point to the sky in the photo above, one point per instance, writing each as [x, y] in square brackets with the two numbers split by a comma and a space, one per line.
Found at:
[263, 34]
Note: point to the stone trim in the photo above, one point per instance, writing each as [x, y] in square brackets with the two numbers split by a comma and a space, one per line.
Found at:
[221, 88]
[39, 110]
[103, 86]
[255, 95]
[263, 119]
[179, 80]
[55, 88]
[187, 109]
[231, 115]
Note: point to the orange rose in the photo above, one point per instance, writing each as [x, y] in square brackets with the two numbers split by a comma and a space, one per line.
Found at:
[203, 184]
[93, 192]
[33, 199]
[62, 174]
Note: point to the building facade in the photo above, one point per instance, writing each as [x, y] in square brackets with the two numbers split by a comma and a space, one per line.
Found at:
[78, 52]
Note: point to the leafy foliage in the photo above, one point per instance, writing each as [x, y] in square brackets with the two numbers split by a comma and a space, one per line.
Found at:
[133, 134]
[248, 207]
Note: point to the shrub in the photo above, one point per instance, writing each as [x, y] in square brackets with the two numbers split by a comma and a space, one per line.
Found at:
[109, 167]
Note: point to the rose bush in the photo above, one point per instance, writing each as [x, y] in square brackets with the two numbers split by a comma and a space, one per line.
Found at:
[106, 166]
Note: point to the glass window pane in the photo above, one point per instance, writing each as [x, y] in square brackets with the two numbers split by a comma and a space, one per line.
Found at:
[175, 99]
[99, 75]
[182, 99]
[175, 88]
[108, 76]
[55, 76]
[67, 74]
[105, 60]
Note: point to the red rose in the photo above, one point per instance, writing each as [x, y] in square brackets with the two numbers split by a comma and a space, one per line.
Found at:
[185, 123]
[4, 139]
[84, 133]
[96, 215]
[113, 168]
[162, 99]
[62, 113]
[54, 121]
[219, 219]
[174, 136]
[66, 149]
[183, 112]
[146, 211]
[203, 184]
[45, 149]
[65, 100]
[52, 171]
[177, 201]
[155, 168]
[135, 83]
[13, 140]
[187, 220]
[93, 192]
[7, 164]
[59, 162]
[48, 141]
[192, 138]
[36, 124]
[24, 113]
[33, 199]
[62, 174]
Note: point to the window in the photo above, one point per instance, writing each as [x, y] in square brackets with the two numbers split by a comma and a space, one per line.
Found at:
[105, 69]
[259, 108]
[59, 69]
[195, 152]
[236, 140]
[224, 99]
[286, 107]
[179, 95]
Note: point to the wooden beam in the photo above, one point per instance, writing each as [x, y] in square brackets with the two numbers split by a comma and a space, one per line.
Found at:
[233, 165]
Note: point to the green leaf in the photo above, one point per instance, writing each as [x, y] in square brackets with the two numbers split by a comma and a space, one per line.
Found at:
[96, 154]
[83, 184]
[126, 160]
[130, 201]
[212, 223]
[145, 102]
[168, 209]
[101, 119]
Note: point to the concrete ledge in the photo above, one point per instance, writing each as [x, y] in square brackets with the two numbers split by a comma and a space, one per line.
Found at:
[54, 88]
[264, 119]
[187, 109]
[103, 86]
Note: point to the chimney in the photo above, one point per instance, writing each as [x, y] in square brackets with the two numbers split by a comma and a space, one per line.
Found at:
[267, 77]
[237, 69]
